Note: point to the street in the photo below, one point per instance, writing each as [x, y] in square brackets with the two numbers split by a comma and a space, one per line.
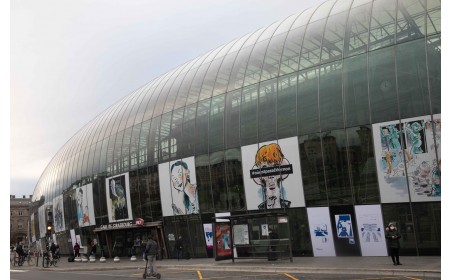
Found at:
[190, 275]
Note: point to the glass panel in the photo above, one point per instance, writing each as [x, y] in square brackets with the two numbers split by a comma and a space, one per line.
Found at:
[340, 6]
[322, 11]
[412, 79]
[249, 124]
[330, 96]
[253, 37]
[333, 40]
[147, 93]
[196, 85]
[155, 196]
[237, 73]
[135, 108]
[287, 106]
[209, 79]
[363, 169]
[271, 63]
[336, 167]
[268, 32]
[303, 19]
[188, 142]
[434, 71]
[382, 25]
[134, 144]
[356, 98]
[184, 88]
[204, 184]
[153, 142]
[216, 124]
[152, 102]
[312, 42]
[312, 170]
[308, 101]
[219, 186]
[223, 76]
[383, 97]
[410, 20]
[233, 173]
[232, 109]
[161, 101]
[433, 17]
[291, 51]
[201, 127]
[175, 134]
[427, 224]
[267, 111]
[301, 238]
[254, 66]
[164, 140]
[286, 25]
[136, 209]
[171, 91]
[400, 215]
[357, 34]
[125, 156]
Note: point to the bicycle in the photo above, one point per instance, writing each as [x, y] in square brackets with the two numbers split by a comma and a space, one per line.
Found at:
[45, 259]
[30, 259]
[19, 260]
[54, 261]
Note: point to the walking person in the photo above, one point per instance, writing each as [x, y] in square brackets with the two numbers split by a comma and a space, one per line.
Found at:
[179, 247]
[151, 250]
[393, 236]
[76, 250]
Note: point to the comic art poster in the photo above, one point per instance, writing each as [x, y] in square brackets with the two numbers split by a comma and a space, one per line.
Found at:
[223, 241]
[58, 214]
[85, 206]
[320, 230]
[408, 154]
[178, 187]
[272, 175]
[42, 221]
[118, 198]
[344, 227]
[370, 230]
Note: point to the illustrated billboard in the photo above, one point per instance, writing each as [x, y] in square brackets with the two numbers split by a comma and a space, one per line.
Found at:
[58, 214]
[85, 206]
[42, 221]
[178, 187]
[118, 198]
[408, 153]
[272, 175]
[320, 230]
[371, 230]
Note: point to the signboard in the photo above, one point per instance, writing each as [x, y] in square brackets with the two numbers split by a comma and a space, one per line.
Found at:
[371, 230]
[320, 230]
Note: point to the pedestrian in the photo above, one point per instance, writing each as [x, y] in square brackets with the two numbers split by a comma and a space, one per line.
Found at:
[76, 249]
[93, 248]
[273, 236]
[143, 246]
[151, 250]
[53, 249]
[393, 236]
[179, 247]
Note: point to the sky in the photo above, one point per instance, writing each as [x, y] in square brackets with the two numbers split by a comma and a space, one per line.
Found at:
[71, 60]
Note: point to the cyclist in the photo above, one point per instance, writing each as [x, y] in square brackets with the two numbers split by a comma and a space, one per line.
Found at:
[53, 250]
[20, 252]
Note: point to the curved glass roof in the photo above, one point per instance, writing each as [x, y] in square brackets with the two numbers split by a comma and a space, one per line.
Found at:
[332, 31]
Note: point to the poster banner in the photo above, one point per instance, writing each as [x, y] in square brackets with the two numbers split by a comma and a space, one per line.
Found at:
[33, 228]
[42, 222]
[240, 235]
[408, 153]
[320, 230]
[58, 214]
[118, 198]
[85, 206]
[371, 230]
[222, 238]
[207, 228]
[178, 187]
[344, 226]
[272, 175]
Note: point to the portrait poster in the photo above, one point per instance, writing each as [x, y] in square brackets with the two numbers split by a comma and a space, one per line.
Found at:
[42, 221]
[178, 187]
[118, 198]
[85, 206]
[33, 228]
[207, 228]
[371, 230]
[320, 230]
[272, 175]
[58, 214]
[222, 238]
[408, 154]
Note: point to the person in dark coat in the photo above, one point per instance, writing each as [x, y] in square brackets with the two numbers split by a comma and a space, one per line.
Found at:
[179, 247]
[393, 236]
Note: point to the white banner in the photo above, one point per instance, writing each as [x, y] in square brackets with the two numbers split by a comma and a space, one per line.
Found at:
[42, 222]
[272, 175]
[85, 206]
[58, 214]
[33, 228]
[370, 230]
[321, 231]
[118, 198]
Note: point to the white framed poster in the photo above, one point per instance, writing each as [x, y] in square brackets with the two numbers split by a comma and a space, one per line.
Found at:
[321, 231]
[241, 235]
[118, 198]
[85, 205]
[408, 154]
[42, 222]
[207, 228]
[178, 187]
[58, 214]
[272, 175]
[371, 230]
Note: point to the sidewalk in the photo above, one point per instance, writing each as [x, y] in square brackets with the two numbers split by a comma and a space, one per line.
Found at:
[423, 266]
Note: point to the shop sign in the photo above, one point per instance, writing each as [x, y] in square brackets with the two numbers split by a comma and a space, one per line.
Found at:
[117, 225]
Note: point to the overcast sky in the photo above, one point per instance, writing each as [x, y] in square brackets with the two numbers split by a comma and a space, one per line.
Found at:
[70, 60]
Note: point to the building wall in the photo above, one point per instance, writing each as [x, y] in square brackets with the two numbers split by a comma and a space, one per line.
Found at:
[19, 219]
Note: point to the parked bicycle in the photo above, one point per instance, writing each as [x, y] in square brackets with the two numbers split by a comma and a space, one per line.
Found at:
[47, 260]
[18, 259]
[30, 259]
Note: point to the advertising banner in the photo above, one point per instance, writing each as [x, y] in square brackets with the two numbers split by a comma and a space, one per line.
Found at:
[272, 175]
[85, 206]
[371, 230]
[178, 187]
[320, 230]
[222, 238]
[33, 229]
[42, 221]
[58, 214]
[207, 228]
[118, 198]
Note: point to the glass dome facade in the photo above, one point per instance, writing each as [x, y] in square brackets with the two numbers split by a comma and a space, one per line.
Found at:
[334, 78]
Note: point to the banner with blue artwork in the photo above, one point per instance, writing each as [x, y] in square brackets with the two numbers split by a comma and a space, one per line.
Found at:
[371, 230]
[320, 230]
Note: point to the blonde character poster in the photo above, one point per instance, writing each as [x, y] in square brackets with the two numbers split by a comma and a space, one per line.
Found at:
[272, 175]
[118, 198]
[178, 187]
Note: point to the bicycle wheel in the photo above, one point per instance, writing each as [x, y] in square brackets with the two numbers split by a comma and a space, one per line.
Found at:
[30, 260]
[16, 261]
